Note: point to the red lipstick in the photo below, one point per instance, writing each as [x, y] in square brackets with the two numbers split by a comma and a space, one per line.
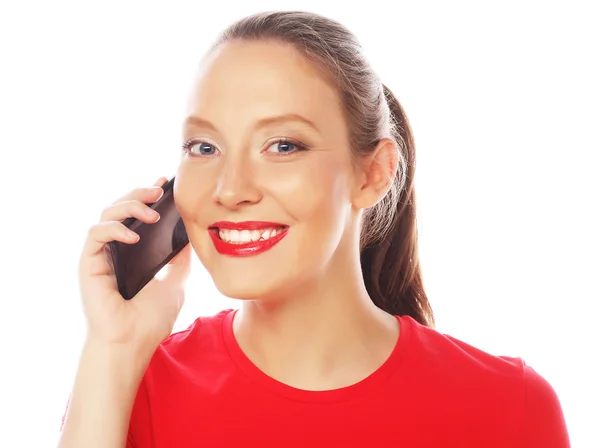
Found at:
[250, 248]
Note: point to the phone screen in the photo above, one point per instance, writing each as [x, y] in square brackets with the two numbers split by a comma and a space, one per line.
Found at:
[136, 264]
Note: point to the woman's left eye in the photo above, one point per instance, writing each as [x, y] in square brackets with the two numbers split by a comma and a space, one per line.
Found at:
[284, 147]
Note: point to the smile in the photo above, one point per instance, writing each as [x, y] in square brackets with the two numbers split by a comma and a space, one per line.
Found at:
[246, 238]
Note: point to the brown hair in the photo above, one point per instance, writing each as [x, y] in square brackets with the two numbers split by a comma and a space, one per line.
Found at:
[389, 250]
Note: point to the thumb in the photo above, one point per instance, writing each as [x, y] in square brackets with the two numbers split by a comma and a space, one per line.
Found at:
[178, 269]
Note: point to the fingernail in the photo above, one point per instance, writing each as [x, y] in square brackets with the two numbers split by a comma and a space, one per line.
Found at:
[132, 235]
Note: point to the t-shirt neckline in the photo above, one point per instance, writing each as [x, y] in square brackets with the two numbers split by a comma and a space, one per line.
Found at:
[368, 384]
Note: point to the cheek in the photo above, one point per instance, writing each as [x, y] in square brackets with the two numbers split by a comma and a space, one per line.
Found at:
[193, 198]
[193, 190]
[309, 193]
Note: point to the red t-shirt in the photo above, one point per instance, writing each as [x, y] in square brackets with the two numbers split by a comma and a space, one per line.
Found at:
[200, 390]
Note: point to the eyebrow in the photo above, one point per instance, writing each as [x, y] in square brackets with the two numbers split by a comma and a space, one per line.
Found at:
[194, 120]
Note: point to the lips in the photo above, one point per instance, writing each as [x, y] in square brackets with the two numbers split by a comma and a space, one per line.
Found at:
[240, 239]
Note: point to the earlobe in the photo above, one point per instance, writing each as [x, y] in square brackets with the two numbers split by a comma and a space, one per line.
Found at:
[379, 171]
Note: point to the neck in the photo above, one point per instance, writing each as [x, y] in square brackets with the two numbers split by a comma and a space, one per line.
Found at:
[326, 334]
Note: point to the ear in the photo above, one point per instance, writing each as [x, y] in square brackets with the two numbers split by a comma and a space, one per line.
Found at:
[377, 172]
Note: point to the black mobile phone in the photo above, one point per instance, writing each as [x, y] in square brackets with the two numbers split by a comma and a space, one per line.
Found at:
[136, 264]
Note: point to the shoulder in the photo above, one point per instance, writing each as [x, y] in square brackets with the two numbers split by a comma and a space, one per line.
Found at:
[175, 366]
[544, 423]
[203, 338]
[201, 327]
[433, 349]
[503, 382]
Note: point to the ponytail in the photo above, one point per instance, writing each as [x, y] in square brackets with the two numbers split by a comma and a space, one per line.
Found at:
[390, 261]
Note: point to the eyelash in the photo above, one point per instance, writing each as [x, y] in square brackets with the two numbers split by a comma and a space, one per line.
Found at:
[299, 146]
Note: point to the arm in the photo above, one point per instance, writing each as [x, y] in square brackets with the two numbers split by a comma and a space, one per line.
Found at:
[105, 388]
[544, 424]
[120, 332]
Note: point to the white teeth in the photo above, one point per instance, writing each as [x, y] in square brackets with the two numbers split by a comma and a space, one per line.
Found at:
[235, 236]
[245, 236]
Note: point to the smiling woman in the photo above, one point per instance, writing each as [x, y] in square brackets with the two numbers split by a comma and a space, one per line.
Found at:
[296, 190]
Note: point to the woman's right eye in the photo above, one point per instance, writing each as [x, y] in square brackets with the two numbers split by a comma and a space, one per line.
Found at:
[199, 148]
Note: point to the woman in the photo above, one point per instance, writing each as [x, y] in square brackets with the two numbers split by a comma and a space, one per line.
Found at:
[294, 148]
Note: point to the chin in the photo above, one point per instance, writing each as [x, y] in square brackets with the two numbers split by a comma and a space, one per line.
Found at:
[245, 287]
[252, 278]
[251, 287]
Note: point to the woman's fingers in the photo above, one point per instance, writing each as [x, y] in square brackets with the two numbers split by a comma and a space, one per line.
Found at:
[129, 209]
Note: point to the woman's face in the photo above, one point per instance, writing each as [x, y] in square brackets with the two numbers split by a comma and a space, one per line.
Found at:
[266, 179]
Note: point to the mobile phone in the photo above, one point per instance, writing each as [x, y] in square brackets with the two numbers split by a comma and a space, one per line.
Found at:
[136, 264]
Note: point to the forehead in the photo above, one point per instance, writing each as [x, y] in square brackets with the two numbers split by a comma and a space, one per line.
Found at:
[262, 78]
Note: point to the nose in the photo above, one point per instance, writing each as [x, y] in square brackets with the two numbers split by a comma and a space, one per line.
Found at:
[236, 185]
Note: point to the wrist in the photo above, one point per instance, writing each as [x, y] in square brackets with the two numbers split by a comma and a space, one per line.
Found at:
[128, 356]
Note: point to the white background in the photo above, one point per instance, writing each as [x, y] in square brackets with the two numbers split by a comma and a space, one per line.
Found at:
[503, 100]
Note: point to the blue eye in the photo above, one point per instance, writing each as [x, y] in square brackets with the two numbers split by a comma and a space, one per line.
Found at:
[285, 147]
[199, 148]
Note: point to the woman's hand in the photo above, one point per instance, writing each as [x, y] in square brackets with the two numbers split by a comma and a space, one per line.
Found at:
[148, 318]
